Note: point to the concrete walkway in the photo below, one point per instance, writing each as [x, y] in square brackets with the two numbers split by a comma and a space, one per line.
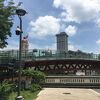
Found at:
[68, 94]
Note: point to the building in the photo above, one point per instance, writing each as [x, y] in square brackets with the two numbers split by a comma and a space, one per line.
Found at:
[24, 44]
[62, 42]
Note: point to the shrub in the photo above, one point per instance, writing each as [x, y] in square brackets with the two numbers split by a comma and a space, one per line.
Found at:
[35, 87]
[5, 90]
[38, 76]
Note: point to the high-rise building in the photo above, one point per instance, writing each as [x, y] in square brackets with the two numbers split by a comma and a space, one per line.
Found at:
[25, 44]
[62, 42]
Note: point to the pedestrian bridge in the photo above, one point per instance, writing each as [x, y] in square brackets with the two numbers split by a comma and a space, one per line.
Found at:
[37, 54]
[51, 62]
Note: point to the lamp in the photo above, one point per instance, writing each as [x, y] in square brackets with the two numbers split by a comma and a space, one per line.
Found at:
[20, 13]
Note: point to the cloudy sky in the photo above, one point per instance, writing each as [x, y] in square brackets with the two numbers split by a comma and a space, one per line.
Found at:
[80, 19]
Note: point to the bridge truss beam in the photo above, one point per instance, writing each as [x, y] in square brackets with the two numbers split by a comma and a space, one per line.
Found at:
[65, 65]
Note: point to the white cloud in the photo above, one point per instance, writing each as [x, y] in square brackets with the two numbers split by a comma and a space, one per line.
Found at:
[12, 45]
[98, 42]
[78, 10]
[72, 47]
[71, 30]
[51, 47]
[43, 26]
[98, 22]
[34, 46]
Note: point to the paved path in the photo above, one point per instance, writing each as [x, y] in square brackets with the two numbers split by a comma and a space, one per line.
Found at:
[68, 94]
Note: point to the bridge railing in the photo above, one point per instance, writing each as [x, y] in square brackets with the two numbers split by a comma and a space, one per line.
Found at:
[36, 54]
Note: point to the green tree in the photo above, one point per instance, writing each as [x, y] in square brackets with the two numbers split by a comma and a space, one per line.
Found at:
[5, 90]
[38, 76]
[7, 10]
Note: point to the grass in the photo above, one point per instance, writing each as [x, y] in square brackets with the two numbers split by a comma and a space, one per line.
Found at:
[26, 94]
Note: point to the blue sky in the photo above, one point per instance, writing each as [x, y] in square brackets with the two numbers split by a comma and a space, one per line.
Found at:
[80, 19]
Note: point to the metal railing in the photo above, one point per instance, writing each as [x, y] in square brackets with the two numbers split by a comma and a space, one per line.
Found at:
[37, 54]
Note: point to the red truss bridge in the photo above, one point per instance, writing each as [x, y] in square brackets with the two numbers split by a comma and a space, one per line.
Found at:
[60, 66]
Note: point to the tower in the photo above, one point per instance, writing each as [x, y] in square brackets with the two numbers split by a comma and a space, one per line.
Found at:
[62, 42]
[25, 44]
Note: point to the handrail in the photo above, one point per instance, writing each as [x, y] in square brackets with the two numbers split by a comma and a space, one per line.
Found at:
[40, 55]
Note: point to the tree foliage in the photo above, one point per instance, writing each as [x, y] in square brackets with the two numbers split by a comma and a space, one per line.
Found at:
[37, 76]
[7, 10]
[5, 90]
[35, 87]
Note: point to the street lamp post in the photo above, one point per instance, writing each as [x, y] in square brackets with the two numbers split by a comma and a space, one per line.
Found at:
[20, 13]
